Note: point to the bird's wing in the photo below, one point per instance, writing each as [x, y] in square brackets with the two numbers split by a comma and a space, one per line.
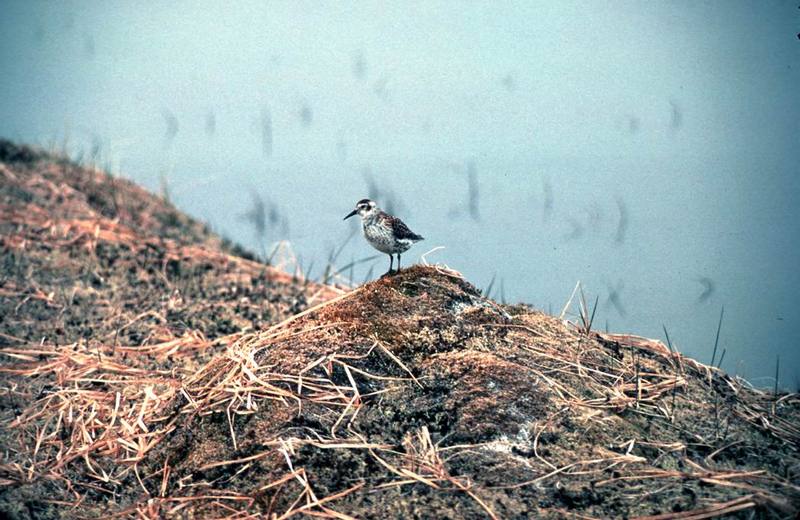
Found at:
[400, 230]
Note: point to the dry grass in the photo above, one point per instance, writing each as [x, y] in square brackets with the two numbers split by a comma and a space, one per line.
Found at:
[411, 395]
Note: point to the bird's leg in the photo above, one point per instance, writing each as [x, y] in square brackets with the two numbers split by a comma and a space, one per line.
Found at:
[391, 263]
[398, 262]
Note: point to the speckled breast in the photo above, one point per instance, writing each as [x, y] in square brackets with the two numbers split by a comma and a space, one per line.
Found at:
[382, 239]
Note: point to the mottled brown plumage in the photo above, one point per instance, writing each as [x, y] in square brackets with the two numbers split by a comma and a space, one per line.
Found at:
[399, 228]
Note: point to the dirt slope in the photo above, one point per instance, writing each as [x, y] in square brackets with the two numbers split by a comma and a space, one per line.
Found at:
[150, 372]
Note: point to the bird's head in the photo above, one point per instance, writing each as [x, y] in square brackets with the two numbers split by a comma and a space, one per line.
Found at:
[364, 208]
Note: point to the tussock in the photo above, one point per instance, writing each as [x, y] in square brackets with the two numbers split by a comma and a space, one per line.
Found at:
[410, 396]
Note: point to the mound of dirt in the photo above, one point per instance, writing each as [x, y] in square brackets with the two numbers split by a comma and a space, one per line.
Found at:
[96, 270]
[413, 396]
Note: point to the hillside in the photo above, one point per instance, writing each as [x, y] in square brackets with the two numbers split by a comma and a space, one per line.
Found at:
[148, 370]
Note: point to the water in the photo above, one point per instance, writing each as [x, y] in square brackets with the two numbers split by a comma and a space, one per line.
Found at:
[516, 136]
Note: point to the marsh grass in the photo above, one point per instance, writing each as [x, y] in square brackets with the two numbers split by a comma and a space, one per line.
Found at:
[586, 318]
[716, 338]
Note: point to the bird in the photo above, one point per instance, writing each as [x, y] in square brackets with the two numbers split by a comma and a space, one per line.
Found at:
[386, 233]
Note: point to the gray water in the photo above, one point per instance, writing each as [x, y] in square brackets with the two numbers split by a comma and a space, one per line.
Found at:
[648, 150]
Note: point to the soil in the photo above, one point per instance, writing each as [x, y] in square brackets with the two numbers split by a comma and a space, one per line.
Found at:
[151, 370]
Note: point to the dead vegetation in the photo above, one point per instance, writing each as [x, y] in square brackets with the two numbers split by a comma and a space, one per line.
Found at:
[125, 390]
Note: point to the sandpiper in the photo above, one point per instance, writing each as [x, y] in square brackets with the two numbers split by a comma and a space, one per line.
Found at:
[386, 233]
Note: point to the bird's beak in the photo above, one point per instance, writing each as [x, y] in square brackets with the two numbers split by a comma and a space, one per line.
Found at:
[350, 214]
